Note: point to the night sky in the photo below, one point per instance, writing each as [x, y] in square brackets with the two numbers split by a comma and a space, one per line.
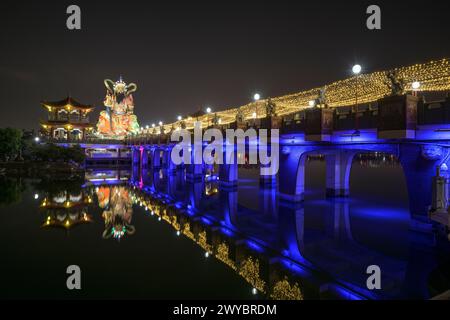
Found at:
[188, 55]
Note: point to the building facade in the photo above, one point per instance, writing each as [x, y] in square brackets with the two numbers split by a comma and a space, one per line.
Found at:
[67, 120]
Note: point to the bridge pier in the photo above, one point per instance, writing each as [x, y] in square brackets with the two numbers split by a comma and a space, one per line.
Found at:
[291, 219]
[228, 171]
[229, 204]
[156, 158]
[419, 165]
[195, 194]
[339, 165]
[135, 154]
[228, 175]
[292, 173]
[269, 179]
[144, 157]
[171, 166]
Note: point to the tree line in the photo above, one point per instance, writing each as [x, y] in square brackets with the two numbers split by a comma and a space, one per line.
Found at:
[17, 146]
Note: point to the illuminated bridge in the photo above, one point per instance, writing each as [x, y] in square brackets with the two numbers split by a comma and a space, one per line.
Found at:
[381, 112]
[402, 114]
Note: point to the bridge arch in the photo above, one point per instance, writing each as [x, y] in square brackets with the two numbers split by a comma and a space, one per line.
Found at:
[418, 168]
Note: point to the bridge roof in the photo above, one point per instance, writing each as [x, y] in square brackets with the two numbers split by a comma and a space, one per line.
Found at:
[433, 76]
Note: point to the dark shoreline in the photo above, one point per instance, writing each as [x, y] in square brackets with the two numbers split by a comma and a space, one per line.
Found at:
[42, 169]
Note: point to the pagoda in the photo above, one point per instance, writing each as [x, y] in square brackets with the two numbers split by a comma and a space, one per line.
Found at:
[67, 120]
[66, 209]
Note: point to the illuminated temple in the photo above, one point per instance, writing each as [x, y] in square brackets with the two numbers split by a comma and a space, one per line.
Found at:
[66, 209]
[67, 119]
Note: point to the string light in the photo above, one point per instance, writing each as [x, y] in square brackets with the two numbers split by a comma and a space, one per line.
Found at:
[432, 76]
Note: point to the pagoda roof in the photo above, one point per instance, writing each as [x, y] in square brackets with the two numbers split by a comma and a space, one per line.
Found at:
[69, 101]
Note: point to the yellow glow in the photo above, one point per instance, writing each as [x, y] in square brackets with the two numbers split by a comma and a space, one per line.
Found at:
[433, 76]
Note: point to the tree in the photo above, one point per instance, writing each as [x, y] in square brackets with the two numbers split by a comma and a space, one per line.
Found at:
[52, 152]
[10, 143]
[12, 190]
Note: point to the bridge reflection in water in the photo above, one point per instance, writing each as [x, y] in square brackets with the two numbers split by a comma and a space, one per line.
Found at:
[319, 248]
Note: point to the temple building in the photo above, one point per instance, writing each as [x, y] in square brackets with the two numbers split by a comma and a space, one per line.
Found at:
[67, 120]
[66, 209]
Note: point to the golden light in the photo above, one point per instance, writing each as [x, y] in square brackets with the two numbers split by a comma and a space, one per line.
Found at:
[433, 76]
[415, 85]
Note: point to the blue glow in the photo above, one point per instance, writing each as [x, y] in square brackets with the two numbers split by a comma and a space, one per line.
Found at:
[295, 268]
[227, 231]
[285, 150]
[344, 293]
[433, 132]
[349, 136]
[380, 212]
[179, 205]
[206, 221]
[255, 246]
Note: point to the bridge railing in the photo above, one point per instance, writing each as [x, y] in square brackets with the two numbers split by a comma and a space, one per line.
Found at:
[436, 112]
[364, 116]
[84, 140]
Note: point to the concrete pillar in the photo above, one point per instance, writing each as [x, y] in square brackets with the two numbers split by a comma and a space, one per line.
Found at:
[135, 162]
[156, 158]
[268, 180]
[171, 184]
[195, 190]
[340, 225]
[228, 175]
[144, 154]
[146, 176]
[338, 165]
[291, 225]
[419, 166]
[292, 174]
[171, 167]
[194, 172]
[135, 153]
[228, 171]
[229, 205]
[135, 172]
[267, 201]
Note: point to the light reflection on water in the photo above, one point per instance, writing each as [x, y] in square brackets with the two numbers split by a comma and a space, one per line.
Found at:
[318, 249]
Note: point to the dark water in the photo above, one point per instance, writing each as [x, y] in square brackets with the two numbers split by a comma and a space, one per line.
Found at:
[319, 249]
